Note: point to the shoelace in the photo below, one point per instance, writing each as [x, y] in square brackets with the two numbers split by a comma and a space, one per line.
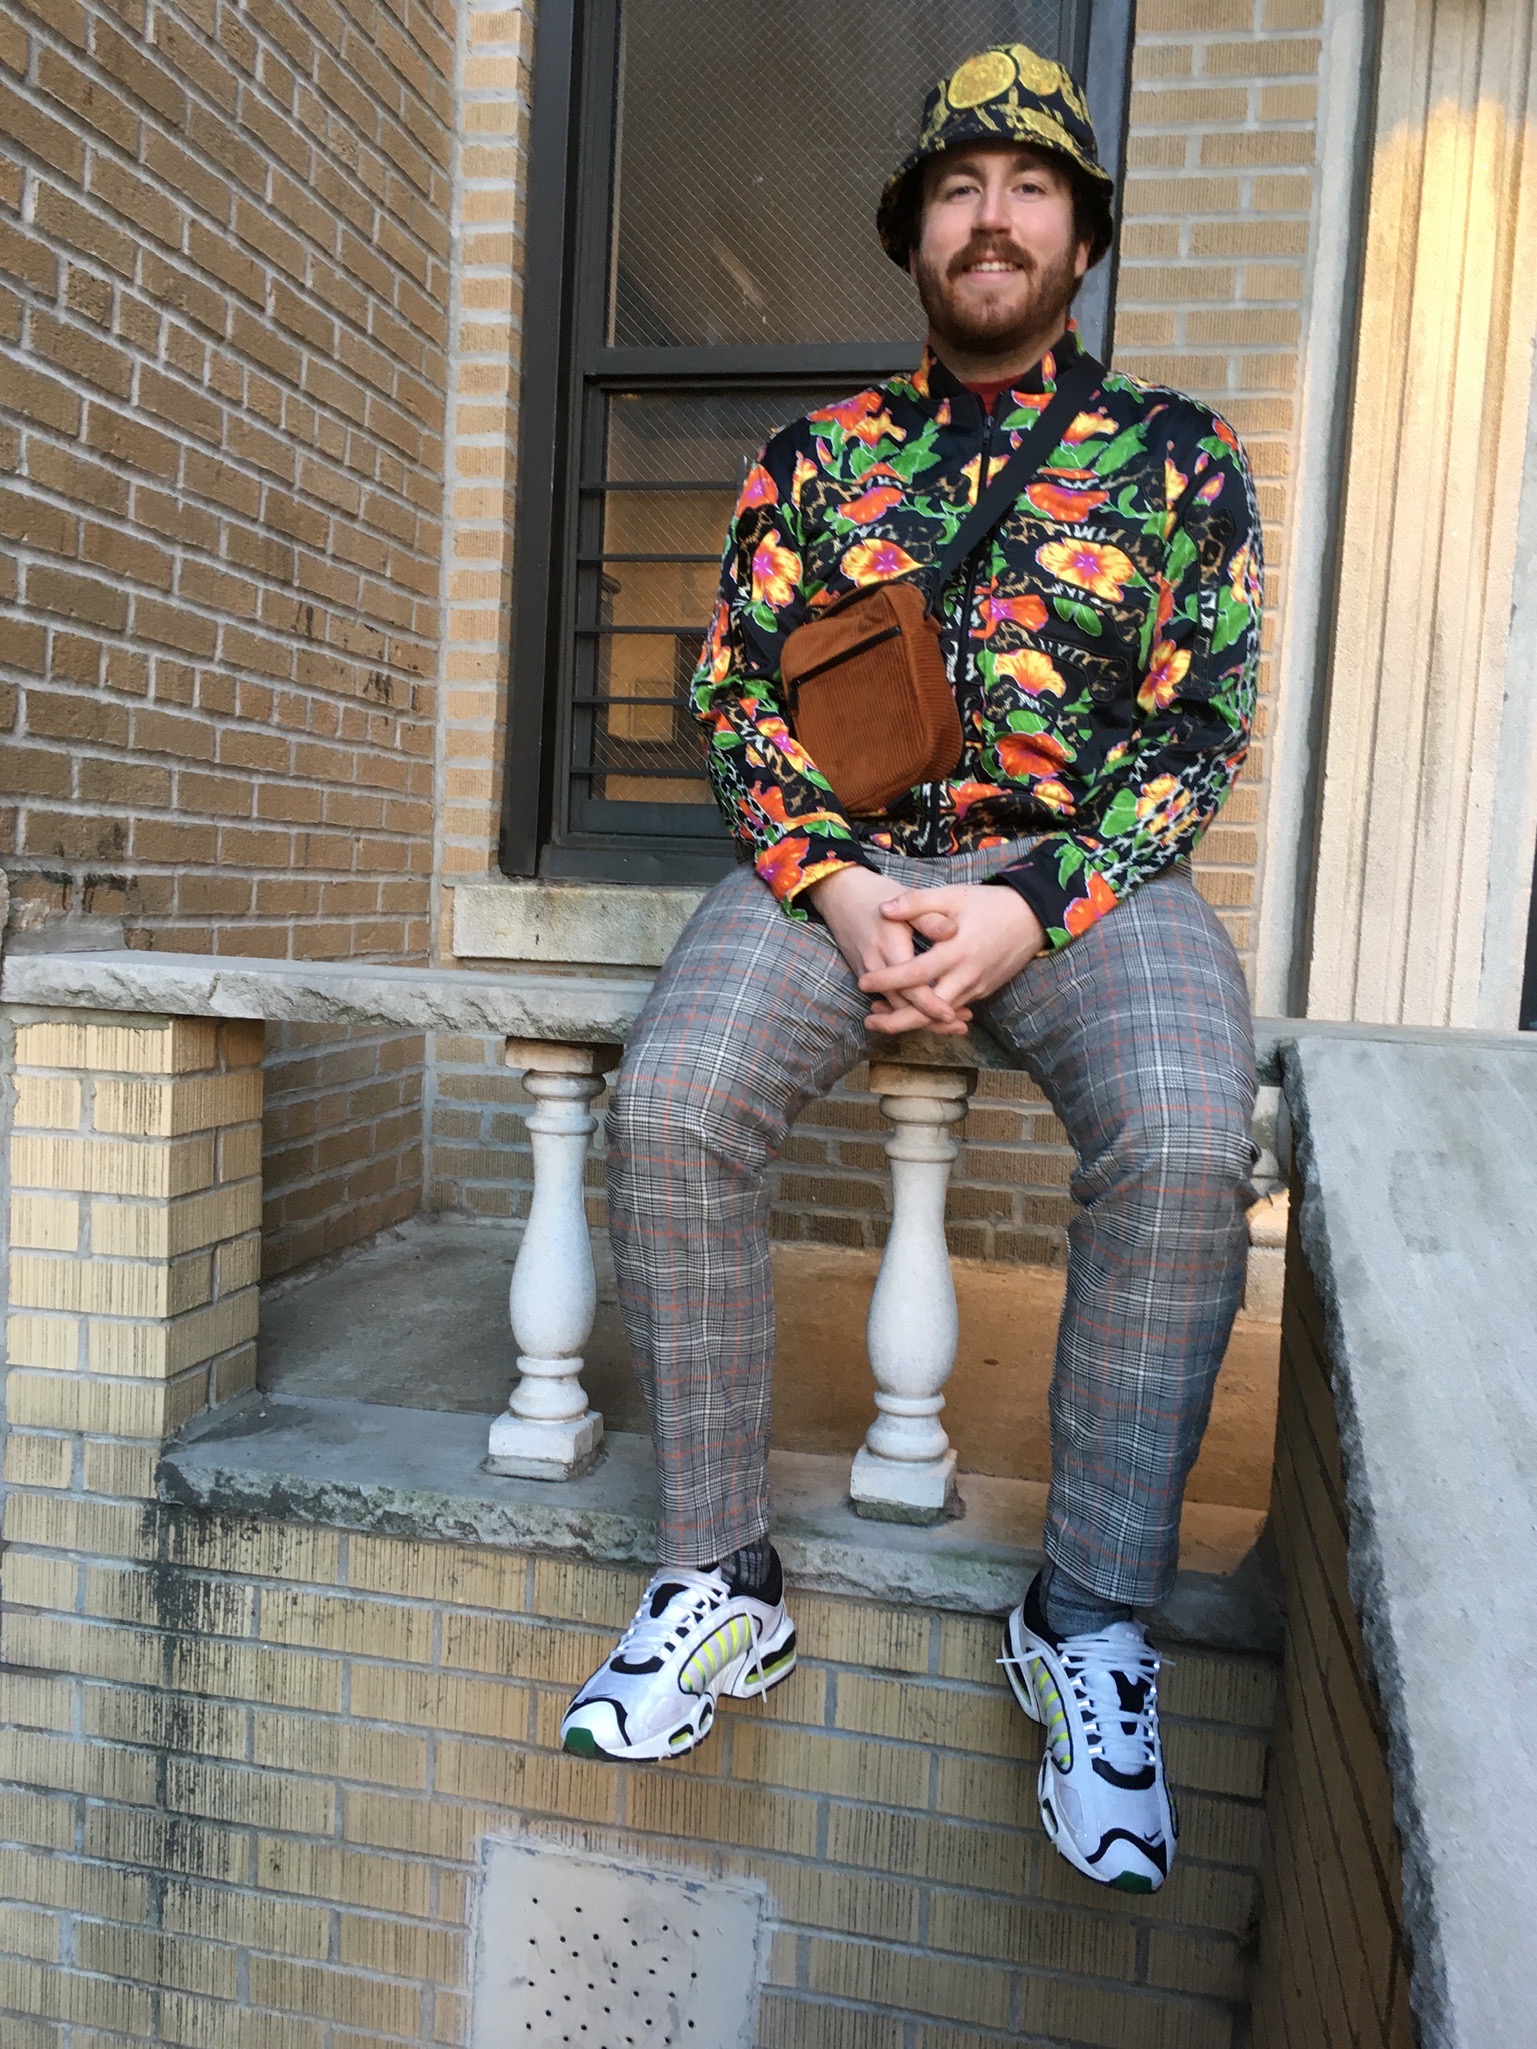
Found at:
[1125, 1736]
[651, 1635]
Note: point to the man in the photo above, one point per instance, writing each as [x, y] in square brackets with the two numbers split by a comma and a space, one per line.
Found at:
[1102, 646]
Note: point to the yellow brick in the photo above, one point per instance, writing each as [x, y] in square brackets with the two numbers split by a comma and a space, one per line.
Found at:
[381, 1757]
[33, 1579]
[987, 1790]
[240, 1152]
[951, 1853]
[64, 1764]
[148, 1958]
[216, 1914]
[1271, 58]
[103, 1166]
[27, 1699]
[60, 1643]
[813, 1896]
[74, 1522]
[242, 1041]
[67, 1996]
[48, 1223]
[263, 1676]
[164, 1721]
[190, 2023]
[77, 1886]
[51, 1342]
[1209, 1964]
[441, 1700]
[237, 1264]
[813, 1762]
[29, 1932]
[110, 1287]
[700, 1811]
[121, 1469]
[158, 1046]
[170, 1598]
[102, 1408]
[167, 1844]
[46, 1819]
[1033, 1936]
[951, 1716]
[158, 1349]
[913, 1983]
[524, 1780]
[1097, 2014]
[786, 2023]
[1215, 1760]
[599, 1594]
[428, 1828]
[162, 1230]
[357, 1878]
[48, 1102]
[242, 1544]
[263, 1799]
[969, 1647]
[862, 1634]
[398, 1950]
[339, 1622]
[233, 1374]
[34, 1461]
[171, 1109]
[32, 2034]
[322, 1993]
[450, 1573]
[1211, 1688]
[481, 1643]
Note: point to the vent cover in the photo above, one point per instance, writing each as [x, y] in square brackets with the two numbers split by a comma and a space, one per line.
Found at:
[579, 1950]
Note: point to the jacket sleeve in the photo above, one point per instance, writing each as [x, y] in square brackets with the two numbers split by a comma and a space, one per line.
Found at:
[780, 808]
[1164, 784]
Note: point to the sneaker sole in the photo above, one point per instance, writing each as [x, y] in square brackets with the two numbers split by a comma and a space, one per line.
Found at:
[750, 1679]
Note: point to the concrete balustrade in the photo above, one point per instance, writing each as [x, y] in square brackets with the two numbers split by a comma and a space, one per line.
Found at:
[547, 1431]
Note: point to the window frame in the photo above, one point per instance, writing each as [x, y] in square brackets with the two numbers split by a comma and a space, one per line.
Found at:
[566, 238]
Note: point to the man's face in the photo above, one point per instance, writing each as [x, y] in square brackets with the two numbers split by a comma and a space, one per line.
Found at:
[996, 259]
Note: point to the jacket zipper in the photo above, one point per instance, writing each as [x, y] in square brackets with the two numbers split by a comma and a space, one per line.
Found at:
[963, 653]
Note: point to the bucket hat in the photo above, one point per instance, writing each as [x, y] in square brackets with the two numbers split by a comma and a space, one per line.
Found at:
[1007, 93]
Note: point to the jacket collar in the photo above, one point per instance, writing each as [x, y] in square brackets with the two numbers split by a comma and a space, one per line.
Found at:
[935, 380]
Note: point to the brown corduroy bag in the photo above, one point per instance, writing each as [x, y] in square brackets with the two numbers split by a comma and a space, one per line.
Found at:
[865, 683]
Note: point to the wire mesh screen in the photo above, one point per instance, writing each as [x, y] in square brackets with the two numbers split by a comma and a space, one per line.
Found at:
[753, 138]
[652, 531]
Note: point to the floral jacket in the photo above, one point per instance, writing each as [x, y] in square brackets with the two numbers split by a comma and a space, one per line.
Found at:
[1102, 645]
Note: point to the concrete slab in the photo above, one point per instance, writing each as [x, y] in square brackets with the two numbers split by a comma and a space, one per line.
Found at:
[418, 1472]
[419, 1318]
[1418, 1167]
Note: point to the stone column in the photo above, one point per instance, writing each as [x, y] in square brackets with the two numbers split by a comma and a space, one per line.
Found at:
[135, 1166]
[547, 1431]
[905, 1469]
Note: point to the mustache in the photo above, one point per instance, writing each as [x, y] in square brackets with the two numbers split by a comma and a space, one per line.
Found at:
[982, 247]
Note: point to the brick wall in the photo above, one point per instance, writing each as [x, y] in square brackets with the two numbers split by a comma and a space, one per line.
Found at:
[1214, 251]
[1332, 1961]
[224, 231]
[247, 1767]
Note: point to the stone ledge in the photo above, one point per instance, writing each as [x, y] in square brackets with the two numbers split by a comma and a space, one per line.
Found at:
[576, 923]
[418, 1473]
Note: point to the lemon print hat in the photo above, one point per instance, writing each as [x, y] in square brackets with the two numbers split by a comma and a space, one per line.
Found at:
[1010, 94]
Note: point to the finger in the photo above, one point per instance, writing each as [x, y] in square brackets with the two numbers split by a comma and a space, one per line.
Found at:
[907, 1019]
[928, 968]
[934, 925]
[913, 903]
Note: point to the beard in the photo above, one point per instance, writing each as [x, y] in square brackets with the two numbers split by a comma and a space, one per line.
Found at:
[1039, 295]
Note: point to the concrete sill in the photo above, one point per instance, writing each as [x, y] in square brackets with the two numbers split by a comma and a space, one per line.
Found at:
[416, 1473]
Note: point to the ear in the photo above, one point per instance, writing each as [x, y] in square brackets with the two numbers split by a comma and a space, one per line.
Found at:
[1081, 258]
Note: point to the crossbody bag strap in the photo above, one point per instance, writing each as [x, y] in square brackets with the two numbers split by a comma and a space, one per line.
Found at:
[1076, 386]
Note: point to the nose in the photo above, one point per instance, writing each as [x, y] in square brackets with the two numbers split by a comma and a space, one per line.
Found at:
[992, 208]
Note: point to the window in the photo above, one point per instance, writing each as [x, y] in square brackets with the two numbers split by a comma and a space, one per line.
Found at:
[702, 266]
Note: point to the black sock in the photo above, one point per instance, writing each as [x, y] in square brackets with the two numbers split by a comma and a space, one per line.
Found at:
[1072, 1609]
[755, 1570]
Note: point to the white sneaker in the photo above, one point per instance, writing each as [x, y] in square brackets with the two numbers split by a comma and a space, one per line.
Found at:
[692, 1640]
[1101, 1787]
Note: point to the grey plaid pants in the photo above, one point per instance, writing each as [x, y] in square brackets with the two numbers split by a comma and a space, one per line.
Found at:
[1139, 1033]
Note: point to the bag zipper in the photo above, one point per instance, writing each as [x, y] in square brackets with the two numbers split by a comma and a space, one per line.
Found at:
[963, 654]
[845, 654]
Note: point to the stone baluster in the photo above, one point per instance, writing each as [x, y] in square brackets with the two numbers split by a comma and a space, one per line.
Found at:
[905, 1469]
[547, 1431]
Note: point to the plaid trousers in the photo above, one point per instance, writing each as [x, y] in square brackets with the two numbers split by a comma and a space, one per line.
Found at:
[1139, 1033]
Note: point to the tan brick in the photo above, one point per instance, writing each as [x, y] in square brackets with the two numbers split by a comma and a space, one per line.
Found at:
[46, 1223]
[959, 1989]
[370, 1628]
[28, 1700]
[148, 1957]
[815, 1762]
[160, 1046]
[50, 1102]
[162, 1598]
[324, 1872]
[34, 1580]
[863, 1635]
[164, 1721]
[44, 1819]
[427, 1828]
[87, 2002]
[163, 1230]
[33, 1460]
[51, 1342]
[398, 1950]
[65, 1764]
[162, 1349]
[264, 1799]
[121, 1469]
[187, 2022]
[172, 1109]
[216, 1914]
[950, 1716]
[112, 1167]
[329, 1994]
[382, 1757]
[53, 1401]
[103, 1287]
[440, 1700]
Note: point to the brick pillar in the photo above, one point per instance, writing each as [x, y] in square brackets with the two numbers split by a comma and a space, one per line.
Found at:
[135, 1160]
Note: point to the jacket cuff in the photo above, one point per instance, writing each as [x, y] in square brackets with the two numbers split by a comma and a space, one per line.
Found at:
[792, 864]
[1066, 910]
